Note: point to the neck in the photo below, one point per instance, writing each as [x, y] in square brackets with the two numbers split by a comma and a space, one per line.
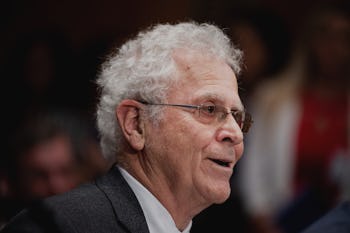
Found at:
[181, 205]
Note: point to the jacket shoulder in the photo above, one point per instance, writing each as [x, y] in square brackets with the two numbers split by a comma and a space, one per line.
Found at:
[336, 221]
[81, 210]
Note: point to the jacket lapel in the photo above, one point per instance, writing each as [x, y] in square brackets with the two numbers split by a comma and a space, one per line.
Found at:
[126, 207]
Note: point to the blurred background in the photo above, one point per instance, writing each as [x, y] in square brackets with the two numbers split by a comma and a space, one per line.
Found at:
[295, 81]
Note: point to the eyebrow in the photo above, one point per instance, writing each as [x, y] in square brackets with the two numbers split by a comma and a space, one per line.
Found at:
[216, 97]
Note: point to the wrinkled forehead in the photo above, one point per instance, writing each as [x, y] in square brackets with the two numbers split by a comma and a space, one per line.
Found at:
[205, 75]
[194, 64]
[186, 58]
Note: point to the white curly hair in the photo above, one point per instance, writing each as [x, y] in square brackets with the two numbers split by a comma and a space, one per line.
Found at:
[144, 69]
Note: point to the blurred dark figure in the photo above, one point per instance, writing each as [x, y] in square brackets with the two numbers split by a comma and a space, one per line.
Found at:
[265, 40]
[50, 152]
[40, 67]
[45, 70]
[301, 129]
[50, 149]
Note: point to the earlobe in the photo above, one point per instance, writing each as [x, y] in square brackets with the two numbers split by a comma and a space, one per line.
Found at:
[128, 115]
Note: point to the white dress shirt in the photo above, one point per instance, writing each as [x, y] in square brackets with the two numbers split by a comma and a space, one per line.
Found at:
[157, 217]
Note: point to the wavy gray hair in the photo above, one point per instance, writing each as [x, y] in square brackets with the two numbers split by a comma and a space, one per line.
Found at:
[143, 68]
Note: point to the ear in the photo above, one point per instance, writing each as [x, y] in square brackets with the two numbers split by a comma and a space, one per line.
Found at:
[128, 115]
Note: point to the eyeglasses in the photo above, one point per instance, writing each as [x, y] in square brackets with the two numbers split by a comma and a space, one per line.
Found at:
[209, 112]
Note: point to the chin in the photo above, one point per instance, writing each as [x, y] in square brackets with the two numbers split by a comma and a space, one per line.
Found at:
[220, 194]
[222, 199]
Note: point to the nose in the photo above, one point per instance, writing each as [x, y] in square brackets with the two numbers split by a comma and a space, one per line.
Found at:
[230, 131]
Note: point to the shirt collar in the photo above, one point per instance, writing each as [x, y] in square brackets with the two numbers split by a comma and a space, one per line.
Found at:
[157, 217]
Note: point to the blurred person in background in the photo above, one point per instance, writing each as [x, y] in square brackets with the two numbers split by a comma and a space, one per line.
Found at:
[50, 148]
[50, 151]
[301, 129]
[264, 38]
[40, 65]
[46, 70]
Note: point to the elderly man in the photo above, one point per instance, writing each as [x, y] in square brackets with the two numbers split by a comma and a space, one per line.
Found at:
[171, 117]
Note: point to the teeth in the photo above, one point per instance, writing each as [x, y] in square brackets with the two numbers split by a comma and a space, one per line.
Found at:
[220, 162]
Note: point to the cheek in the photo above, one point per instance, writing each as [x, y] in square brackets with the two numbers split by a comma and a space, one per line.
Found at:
[239, 149]
[199, 143]
[187, 145]
[171, 145]
[185, 150]
[179, 149]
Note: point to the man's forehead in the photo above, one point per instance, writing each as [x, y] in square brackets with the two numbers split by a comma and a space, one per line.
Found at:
[195, 63]
[186, 58]
[200, 85]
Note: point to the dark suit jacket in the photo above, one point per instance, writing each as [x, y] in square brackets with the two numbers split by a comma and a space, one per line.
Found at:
[336, 221]
[104, 206]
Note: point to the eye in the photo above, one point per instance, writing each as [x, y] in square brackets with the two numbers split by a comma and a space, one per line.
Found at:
[239, 117]
[209, 109]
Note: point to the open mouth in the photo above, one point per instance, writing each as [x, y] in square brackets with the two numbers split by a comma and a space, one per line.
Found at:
[221, 163]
